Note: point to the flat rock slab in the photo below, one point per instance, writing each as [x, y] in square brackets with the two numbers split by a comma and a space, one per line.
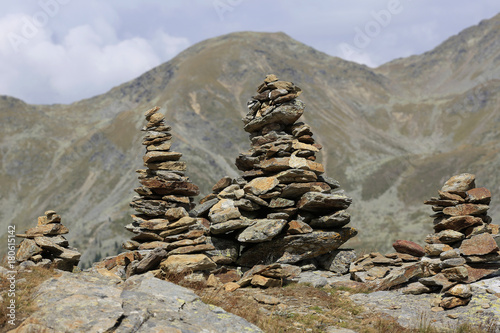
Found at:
[284, 114]
[294, 248]
[89, 302]
[414, 311]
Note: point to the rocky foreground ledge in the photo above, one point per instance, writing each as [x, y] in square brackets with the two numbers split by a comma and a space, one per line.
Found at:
[88, 302]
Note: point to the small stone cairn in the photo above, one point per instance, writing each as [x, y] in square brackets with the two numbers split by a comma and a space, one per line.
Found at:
[282, 210]
[45, 245]
[166, 236]
[462, 250]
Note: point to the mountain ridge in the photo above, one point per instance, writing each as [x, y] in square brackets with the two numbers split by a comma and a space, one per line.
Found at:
[389, 144]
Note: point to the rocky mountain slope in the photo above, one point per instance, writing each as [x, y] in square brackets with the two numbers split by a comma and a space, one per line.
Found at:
[390, 134]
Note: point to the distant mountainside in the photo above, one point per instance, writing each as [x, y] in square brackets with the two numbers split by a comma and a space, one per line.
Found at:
[391, 135]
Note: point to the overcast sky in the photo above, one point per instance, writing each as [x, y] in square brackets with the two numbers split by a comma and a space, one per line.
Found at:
[61, 51]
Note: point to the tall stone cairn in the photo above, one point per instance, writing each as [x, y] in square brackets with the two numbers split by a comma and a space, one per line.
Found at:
[45, 245]
[463, 248]
[166, 236]
[282, 209]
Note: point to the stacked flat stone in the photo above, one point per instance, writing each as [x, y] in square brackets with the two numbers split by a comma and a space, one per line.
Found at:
[463, 248]
[282, 209]
[45, 245]
[162, 222]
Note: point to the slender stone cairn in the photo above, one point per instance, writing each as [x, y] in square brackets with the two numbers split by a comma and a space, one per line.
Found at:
[166, 236]
[45, 245]
[282, 209]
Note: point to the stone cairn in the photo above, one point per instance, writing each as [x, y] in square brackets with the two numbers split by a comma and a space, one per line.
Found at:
[282, 210]
[166, 236]
[462, 250]
[45, 245]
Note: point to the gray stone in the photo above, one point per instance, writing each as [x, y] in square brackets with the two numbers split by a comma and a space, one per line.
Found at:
[151, 260]
[294, 248]
[453, 262]
[417, 288]
[314, 201]
[335, 220]
[223, 247]
[286, 114]
[224, 227]
[450, 236]
[261, 231]
[459, 184]
[455, 253]
[337, 261]
[203, 208]
[93, 303]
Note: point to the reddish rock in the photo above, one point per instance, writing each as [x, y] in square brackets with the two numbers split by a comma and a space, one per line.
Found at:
[479, 271]
[479, 245]
[408, 247]
[466, 209]
[228, 276]
[160, 186]
[450, 196]
[479, 195]
[298, 227]
[441, 202]
[221, 184]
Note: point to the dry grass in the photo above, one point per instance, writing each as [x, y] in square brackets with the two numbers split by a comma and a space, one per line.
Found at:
[304, 308]
[26, 283]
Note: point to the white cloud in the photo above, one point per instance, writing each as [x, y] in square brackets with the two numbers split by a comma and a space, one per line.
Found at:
[88, 59]
[87, 47]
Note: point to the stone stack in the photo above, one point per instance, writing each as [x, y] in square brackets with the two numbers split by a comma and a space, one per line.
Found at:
[162, 224]
[463, 248]
[282, 209]
[45, 245]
